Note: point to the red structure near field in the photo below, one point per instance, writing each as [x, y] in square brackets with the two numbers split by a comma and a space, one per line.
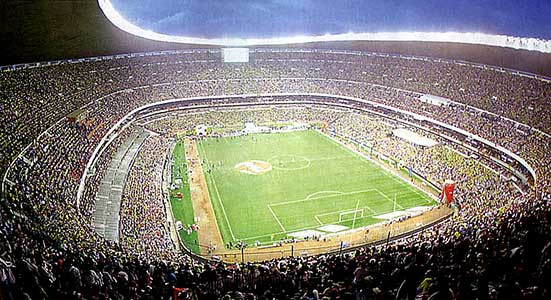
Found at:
[447, 191]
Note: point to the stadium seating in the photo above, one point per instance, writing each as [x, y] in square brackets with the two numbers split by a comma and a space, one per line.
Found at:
[498, 247]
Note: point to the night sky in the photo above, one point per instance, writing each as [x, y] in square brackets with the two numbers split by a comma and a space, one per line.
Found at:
[283, 18]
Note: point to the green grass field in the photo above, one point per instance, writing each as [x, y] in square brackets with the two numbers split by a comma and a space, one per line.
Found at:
[183, 208]
[314, 181]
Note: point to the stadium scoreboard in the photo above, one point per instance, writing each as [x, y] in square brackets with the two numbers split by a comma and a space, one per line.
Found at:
[235, 55]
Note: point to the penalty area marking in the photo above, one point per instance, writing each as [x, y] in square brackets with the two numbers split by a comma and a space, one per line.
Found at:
[310, 197]
[315, 226]
[323, 192]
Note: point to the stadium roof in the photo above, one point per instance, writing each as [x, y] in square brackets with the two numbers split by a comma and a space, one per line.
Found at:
[253, 22]
[414, 137]
[50, 30]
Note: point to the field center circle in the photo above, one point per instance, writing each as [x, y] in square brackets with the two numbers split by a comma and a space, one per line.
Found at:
[289, 162]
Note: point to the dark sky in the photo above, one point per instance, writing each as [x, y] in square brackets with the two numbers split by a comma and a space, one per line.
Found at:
[277, 18]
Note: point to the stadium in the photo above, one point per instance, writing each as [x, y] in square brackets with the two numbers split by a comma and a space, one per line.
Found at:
[164, 167]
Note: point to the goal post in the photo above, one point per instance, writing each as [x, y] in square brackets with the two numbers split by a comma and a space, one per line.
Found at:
[350, 215]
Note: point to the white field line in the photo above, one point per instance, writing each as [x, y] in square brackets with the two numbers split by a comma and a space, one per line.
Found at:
[391, 201]
[427, 199]
[311, 227]
[331, 158]
[414, 189]
[304, 228]
[316, 226]
[345, 211]
[411, 198]
[274, 233]
[371, 210]
[317, 219]
[277, 219]
[321, 197]
[314, 159]
[269, 234]
[218, 195]
[323, 192]
[355, 215]
[309, 198]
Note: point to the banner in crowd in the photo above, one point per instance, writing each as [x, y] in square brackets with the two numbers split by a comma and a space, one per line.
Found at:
[447, 191]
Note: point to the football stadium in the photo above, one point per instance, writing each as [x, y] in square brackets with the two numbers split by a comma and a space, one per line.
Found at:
[282, 150]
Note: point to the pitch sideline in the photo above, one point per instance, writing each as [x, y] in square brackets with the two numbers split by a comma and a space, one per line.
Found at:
[277, 219]
[218, 194]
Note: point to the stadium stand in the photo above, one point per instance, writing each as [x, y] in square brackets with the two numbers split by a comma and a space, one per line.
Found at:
[497, 247]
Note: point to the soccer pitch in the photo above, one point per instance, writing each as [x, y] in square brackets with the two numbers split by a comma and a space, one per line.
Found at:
[266, 187]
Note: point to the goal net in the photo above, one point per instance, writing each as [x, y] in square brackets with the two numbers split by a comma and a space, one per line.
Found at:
[351, 214]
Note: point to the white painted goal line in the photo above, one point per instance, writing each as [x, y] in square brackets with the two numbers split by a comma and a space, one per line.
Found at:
[313, 227]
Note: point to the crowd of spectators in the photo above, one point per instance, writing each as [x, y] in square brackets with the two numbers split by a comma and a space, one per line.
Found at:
[143, 226]
[481, 191]
[227, 118]
[38, 97]
[497, 247]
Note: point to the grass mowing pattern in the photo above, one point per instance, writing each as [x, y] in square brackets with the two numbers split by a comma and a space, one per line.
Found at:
[183, 208]
[313, 180]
